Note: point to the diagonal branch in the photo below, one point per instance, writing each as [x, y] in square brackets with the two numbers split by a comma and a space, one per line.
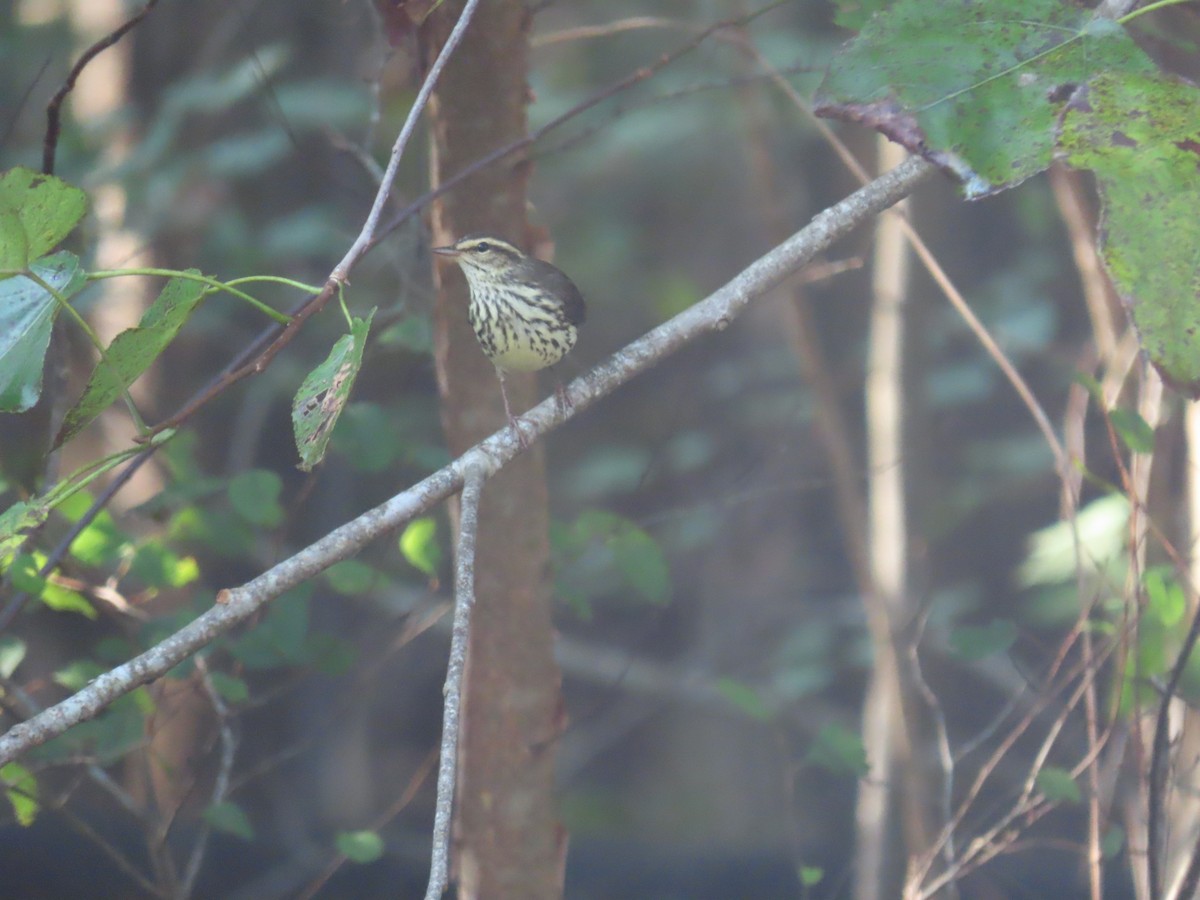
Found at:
[236, 605]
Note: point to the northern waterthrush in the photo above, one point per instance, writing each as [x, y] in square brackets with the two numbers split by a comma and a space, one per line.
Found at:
[524, 311]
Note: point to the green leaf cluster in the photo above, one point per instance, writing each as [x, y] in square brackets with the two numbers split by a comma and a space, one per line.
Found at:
[602, 554]
[992, 91]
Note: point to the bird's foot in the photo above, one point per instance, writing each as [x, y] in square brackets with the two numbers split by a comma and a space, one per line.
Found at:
[561, 399]
[515, 422]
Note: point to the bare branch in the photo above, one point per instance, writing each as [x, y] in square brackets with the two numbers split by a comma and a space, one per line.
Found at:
[464, 600]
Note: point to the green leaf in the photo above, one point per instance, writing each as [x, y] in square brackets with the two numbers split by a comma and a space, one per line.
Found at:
[73, 507]
[973, 642]
[144, 701]
[323, 393]
[101, 543]
[46, 210]
[113, 650]
[160, 567]
[1152, 650]
[323, 103]
[745, 698]
[838, 751]
[221, 530]
[1113, 841]
[247, 154]
[1165, 598]
[419, 544]
[107, 738]
[360, 846]
[609, 470]
[1140, 135]
[231, 819]
[1134, 432]
[14, 243]
[17, 521]
[1102, 534]
[351, 576]
[367, 434]
[413, 333]
[23, 570]
[132, 352]
[1058, 785]
[599, 545]
[976, 87]
[22, 792]
[254, 495]
[61, 599]
[232, 690]
[27, 312]
[12, 652]
[810, 876]
[75, 675]
[309, 231]
[673, 292]
[279, 639]
[328, 653]
[639, 558]
[1089, 383]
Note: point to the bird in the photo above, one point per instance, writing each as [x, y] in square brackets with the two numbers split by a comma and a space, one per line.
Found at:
[525, 312]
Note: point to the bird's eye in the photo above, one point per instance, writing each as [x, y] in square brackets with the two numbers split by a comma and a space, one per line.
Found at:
[483, 247]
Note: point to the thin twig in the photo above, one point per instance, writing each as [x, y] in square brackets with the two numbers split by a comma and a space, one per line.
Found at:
[941, 734]
[588, 32]
[54, 107]
[460, 633]
[365, 239]
[109, 849]
[994, 840]
[920, 868]
[236, 605]
[1080, 224]
[406, 797]
[15, 110]
[220, 789]
[18, 600]
[18, 699]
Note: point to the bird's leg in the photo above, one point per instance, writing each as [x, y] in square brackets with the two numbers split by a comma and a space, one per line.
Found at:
[512, 420]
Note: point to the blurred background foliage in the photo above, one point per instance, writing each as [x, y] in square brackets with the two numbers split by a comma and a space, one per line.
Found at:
[713, 643]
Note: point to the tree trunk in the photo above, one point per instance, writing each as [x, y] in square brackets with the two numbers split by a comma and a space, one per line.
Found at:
[507, 839]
